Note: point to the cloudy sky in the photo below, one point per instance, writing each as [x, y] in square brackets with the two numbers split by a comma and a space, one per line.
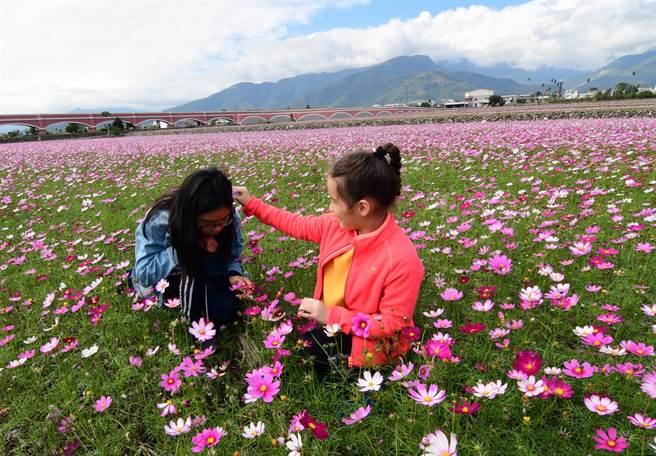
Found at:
[56, 55]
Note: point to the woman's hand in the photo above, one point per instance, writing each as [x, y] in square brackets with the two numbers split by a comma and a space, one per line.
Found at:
[314, 310]
[209, 243]
[241, 194]
[240, 281]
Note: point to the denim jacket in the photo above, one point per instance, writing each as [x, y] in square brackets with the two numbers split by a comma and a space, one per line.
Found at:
[155, 257]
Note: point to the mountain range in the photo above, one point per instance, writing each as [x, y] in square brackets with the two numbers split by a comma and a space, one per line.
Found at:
[412, 78]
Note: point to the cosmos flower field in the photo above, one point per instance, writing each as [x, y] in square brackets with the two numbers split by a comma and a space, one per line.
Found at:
[534, 332]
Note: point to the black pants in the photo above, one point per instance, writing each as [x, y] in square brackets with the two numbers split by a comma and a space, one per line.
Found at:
[328, 352]
[222, 305]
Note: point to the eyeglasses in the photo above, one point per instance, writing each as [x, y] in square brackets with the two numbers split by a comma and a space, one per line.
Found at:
[209, 226]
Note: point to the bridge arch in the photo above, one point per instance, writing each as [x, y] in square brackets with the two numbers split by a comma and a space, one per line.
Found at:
[221, 121]
[16, 126]
[152, 123]
[340, 115]
[61, 126]
[363, 114]
[281, 118]
[188, 122]
[309, 117]
[383, 114]
[253, 120]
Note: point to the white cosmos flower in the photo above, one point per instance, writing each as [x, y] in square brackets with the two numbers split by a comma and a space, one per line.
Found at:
[332, 330]
[89, 351]
[253, 430]
[370, 382]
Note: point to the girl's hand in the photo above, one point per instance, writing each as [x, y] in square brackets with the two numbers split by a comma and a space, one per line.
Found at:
[241, 194]
[209, 244]
[314, 310]
[241, 281]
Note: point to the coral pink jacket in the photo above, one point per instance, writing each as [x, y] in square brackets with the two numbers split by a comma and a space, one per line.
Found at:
[383, 281]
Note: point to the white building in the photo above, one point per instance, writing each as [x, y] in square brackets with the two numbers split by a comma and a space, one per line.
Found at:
[646, 89]
[479, 97]
[571, 94]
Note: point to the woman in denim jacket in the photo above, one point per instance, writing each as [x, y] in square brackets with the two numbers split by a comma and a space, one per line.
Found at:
[191, 237]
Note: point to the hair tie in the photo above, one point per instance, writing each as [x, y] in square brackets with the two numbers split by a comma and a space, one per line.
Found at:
[380, 153]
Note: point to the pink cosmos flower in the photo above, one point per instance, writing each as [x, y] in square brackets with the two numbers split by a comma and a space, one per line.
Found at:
[638, 349]
[644, 247]
[135, 361]
[580, 248]
[642, 421]
[451, 294]
[558, 388]
[191, 368]
[610, 441]
[361, 324]
[202, 330]
[207, 438]
[274, 341]
[574, 369]
[648, 385]
[427, 396]
[178, 427]
[167, 407]
[171, 382]
[401, 371]
[531, 387]
[597, 340]
[356, 416]
[630, 369]
[103, 403]
[261, 386]
[162, 285]
[500, 264]
[601, 405]
[437, 443]
[50, 346]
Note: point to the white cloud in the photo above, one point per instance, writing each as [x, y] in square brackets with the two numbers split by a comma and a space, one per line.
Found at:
[156, 54]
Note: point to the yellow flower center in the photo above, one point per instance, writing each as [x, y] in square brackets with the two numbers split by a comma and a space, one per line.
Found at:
[560, 391]
[578, 370]
[312, 426]
[601, 408]
[210, 440]
[465, 409]
[611, 443]
[263, 388]
[428, 398]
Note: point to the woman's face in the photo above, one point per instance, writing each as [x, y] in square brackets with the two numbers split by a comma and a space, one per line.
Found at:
[211, 223]
[348, 218]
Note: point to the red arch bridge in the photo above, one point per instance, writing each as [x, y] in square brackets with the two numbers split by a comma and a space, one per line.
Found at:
[96, 121]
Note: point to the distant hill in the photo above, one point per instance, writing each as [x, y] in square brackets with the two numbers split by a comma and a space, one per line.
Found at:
[394, 81]
[636, 69]
[532, 77]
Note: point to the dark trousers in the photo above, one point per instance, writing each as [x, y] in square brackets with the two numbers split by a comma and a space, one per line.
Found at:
[222, 304]
[328, 352]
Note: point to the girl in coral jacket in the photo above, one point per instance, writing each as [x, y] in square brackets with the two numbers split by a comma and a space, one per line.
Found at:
[369, 274]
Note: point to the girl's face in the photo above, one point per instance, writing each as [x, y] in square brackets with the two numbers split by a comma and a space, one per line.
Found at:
[211, 223]
[349, 218]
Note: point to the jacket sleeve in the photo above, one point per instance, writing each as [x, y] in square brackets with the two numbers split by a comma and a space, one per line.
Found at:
[395, 308]
[234, 265]
[155, 256]
[307, 228]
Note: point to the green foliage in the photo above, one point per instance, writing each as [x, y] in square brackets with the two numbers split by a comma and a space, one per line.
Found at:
[497, 100]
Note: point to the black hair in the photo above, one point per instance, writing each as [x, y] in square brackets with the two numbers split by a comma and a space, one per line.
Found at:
[364, 174]
[201, 192]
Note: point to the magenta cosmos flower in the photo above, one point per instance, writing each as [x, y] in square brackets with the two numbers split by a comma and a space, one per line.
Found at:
[500, 264]
[528, 362]
[171, 382]
[207, 438]
[609, 441]
[642, 421]
[361, 324]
